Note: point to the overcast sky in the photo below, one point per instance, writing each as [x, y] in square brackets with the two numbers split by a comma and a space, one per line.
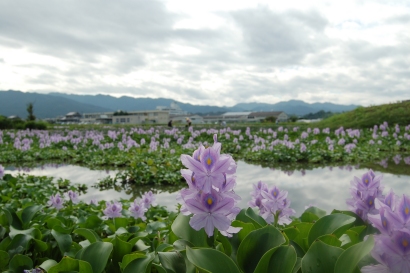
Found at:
[209, 52]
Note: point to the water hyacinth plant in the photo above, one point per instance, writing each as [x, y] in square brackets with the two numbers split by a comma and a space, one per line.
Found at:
[210, 233]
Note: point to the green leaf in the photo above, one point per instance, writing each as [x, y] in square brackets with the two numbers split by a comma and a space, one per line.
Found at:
[63, 240]
[347, 262]
[330, 224]
[4, 259]
[172, 261]
[20, 262]
[89, 234]
[291, 232]
[211, 260]
[96, 254]
[256, 219]
[330, 239]
[46, 265]
[301, 238]
[316, 211]
[183, 230]
[69, 264]
[139, 265]
[255, 245]
[28, 214]
[121, 248]
[33, 232]
[320, 258]
[281, 259]
[129, 258]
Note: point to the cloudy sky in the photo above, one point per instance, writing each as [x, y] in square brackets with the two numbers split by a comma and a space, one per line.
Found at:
[209, 52]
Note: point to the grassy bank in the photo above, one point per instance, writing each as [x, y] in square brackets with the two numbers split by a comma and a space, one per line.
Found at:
[367, 117]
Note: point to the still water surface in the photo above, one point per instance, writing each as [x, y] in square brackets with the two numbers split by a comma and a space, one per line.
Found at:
[324, 187]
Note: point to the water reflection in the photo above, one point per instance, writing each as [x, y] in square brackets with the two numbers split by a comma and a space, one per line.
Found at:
[325, 187]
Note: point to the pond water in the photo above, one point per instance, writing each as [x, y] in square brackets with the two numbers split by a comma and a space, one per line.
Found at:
[324, 187]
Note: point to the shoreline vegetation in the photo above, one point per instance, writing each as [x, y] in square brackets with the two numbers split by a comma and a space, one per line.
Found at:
[44, 228]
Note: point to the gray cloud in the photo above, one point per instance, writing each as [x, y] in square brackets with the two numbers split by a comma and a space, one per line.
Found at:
[258, 53]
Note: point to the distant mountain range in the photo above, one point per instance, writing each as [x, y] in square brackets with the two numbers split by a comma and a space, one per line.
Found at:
[58, 104]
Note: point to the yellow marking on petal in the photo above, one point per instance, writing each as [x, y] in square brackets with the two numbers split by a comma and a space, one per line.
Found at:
[275, 193]
[209, 161]
[384, 223]
[370, 202]
[209, 201]
[406, 211]
[404, 243]
[366, 181]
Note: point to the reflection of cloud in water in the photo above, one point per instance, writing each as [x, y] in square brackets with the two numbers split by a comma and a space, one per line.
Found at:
[322, 187]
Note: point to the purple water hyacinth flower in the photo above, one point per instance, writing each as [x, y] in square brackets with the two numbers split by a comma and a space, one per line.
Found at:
[73, 196]
[113, 210]
[210, 212]
[148, 199]
[56, 201]
[1, 171]
[137, 210]
[392, 252]
[210, 169]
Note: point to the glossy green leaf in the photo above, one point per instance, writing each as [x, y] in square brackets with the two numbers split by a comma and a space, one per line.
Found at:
[96, 254]
[330, 239]
[281, 259]
[46, 265]
[20, 262]
[329, 224]
[316, 211]
[347, 262]
[172, 261]
[89, 234]
[69, 264]
[33, 232]
[28, 214]
[320, 258]
[291, 232]
[256, 219]
[129, 258]
[160, 269]
[255, 245]
[63, 240]
[4, 259]
[301, 238]
[121, 249]
[20, 240]
[183, 230]
[211, 260]
[139, 265]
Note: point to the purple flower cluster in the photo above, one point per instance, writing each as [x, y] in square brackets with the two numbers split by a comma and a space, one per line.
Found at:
[209, 196]
[364, 191]
[273, 204]
[392, 246]
[137, 208]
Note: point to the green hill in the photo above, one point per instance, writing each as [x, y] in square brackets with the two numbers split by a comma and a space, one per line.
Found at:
[367, 117]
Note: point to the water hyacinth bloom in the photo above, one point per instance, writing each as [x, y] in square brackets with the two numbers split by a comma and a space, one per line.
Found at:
[364, 192]
[138, 210]
[210, 197]
[113, 210]
[56, 201]
[148, 199]
[273, 204]
[73, 196]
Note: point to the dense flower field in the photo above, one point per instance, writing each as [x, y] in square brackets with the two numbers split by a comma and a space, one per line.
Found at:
[151, 156]
[45, 229]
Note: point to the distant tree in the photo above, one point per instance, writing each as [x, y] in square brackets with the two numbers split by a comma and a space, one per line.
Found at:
[270, 119]
[121, 113]
[30, 111]
[293, 118]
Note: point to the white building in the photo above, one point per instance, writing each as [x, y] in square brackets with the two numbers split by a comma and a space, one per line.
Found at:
[174, 109]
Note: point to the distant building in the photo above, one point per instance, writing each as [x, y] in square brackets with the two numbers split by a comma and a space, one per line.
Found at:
[174, 109]
[14, 117]
[72, 117]
[259, 116]
[142, 117]
[195, 119]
